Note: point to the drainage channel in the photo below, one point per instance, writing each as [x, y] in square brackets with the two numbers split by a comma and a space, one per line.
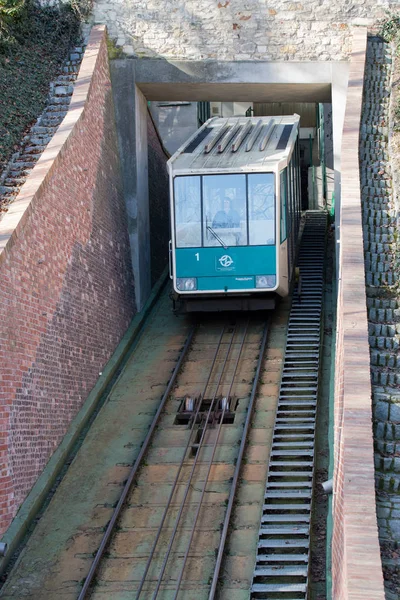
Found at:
[282, 563]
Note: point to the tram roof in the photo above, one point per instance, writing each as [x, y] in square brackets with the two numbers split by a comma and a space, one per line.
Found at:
[237, 144]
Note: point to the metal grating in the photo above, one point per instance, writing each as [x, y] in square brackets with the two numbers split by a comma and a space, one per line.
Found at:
[282, 562]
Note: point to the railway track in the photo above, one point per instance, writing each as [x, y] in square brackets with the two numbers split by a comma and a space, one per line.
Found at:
[203, 412]
[170, 505]
[284, 537]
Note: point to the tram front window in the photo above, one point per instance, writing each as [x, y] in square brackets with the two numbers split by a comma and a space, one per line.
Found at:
[224, 210]
[222, 220]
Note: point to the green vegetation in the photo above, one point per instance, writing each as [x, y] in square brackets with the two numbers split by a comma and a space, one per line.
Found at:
[114, 51]
[10, 12]
[390, 30]
[34, 40]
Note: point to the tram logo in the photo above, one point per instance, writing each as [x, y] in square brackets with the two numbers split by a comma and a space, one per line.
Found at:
[226, 261]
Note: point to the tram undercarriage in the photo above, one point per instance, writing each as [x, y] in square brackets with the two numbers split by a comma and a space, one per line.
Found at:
[223, 302]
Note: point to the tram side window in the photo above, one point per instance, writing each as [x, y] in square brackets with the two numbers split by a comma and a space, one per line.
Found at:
[187, 211]
[224, 210]
[261, 209]
[283, 194]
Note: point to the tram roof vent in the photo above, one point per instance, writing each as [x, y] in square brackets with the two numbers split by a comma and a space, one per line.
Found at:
[244, 130]
[229, 135]
[254, 135]
[215, 138]
[268, 131]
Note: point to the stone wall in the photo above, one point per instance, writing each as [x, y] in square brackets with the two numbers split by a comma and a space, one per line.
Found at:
[237, 30]
[381, 245]
[65, 281]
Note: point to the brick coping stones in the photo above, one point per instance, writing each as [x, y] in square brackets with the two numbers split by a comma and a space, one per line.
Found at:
[356, 564]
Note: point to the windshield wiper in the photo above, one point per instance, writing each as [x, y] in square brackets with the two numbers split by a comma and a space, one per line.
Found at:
[217, 237]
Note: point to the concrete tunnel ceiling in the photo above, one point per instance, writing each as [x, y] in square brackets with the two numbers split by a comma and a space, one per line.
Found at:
[240, 92]
[223, 81]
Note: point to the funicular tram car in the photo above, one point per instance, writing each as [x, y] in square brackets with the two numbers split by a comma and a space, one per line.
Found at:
[235, 213]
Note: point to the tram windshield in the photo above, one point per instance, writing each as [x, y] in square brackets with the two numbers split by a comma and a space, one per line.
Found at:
[226, 210]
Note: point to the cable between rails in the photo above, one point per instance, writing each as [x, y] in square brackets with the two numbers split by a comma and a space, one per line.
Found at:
[174, 485]
[178, 585]
[188, 484]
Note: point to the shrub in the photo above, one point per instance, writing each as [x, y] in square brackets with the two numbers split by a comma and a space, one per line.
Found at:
[10, 12]
[34, 40]
[390, 30]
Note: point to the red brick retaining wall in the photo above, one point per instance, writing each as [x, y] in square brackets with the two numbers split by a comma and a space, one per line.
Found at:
[356, 565]
[66, 281]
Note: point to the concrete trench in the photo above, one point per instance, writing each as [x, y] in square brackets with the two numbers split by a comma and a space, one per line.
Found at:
[380, 244]
[381, 251]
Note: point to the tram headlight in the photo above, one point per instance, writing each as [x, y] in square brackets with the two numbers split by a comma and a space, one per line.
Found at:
[265, 281]
[186, 284]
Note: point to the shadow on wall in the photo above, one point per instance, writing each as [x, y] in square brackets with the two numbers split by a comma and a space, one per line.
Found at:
[158, 202]
[176, 122]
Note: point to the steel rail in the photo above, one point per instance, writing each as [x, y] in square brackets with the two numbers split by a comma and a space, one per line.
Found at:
[194, 419]
[132, 474]
[182, 505]
[237, 359]
[188, 484]
[238, 465]
[178, 585]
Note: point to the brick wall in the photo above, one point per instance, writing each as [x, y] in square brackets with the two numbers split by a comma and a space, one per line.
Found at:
[65, 280]
[356, 565]
[237, 30]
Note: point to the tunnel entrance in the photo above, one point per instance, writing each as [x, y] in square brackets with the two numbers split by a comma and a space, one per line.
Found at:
[178, 93]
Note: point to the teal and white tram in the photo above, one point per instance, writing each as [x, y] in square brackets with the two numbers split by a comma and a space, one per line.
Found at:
[235, 213]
